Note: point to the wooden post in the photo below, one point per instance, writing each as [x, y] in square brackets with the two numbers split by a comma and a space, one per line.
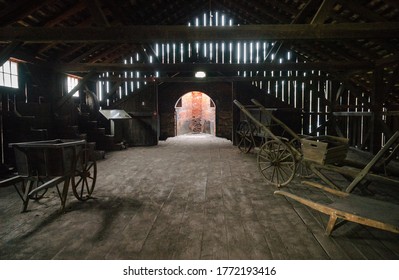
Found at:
[235, 113]
[377, 98]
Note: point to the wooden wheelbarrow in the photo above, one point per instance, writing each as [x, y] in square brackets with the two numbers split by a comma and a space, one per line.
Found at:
[353, 208]
[45, 164]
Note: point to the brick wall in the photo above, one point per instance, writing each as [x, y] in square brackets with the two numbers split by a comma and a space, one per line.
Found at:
[220, 93]
[194, 114]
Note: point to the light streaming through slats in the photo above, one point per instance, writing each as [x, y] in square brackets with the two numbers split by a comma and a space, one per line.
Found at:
[287, 86]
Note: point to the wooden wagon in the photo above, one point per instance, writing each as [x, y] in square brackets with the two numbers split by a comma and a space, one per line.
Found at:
[45, 164]
[282, 156]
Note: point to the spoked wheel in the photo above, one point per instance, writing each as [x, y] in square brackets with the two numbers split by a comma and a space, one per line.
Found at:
[276, 162]
[245, 138]
[85, 177]
[303, 169]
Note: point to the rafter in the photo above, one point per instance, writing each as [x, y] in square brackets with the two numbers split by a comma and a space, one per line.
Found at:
[307, 11]
[7, 52]
[177, 33]
[97, 13]
[324, 11]
[259, 15]
[357, 7]
[57, 19]
[20, 9]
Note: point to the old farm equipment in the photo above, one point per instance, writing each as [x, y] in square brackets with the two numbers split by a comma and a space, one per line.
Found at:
[346, 206]
[280, 157]
[282, 152]
[45, 164]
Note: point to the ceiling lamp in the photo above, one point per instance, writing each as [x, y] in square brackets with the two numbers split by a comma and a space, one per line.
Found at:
[200, 74]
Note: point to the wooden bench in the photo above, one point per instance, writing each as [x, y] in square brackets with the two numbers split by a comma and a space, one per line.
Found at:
[353, 208]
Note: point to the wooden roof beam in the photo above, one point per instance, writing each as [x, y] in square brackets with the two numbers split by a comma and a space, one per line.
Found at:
[65, 14]
[104, 54]
[324, 11]
[80, 84]
[235, 9]
[282, 6]
[190, 67]
[299, 18]
[358, 8]
[307, 11]
[180, 33]
[97, 13]
[20, 9]
[6, 53]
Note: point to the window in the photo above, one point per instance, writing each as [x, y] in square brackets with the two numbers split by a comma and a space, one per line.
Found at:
[9, 74]
[72, 82]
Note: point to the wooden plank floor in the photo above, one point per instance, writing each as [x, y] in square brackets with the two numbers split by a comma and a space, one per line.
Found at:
[190, 197]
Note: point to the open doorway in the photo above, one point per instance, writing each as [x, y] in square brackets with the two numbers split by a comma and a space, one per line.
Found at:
[194, 114]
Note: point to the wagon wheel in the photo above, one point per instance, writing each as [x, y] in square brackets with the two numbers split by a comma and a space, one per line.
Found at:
[84, 179]
[245, 138]
[303, 169]
[276, 162]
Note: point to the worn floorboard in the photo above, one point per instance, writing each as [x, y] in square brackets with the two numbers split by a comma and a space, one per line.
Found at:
[190, 197]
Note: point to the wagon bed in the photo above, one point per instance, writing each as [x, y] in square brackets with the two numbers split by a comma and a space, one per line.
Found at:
[45, 164]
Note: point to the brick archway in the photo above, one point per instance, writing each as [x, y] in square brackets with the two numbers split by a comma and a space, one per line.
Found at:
[194, 114]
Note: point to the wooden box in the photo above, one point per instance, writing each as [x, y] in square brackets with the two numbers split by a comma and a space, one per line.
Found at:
[324, 149]
[47, 158]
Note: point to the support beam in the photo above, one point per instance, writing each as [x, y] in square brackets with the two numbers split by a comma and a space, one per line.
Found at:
[97, 14]
[377, 99]
[7, 52]
[216, 67]
[182, 33]
[216, 79]
[69, 95]
[299, 18]
[324, 11]
[16, 10]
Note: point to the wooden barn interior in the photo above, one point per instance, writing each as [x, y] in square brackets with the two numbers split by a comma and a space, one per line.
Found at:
[167, 108]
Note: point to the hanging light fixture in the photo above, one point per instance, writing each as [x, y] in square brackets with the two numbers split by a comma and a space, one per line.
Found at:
[200, 74]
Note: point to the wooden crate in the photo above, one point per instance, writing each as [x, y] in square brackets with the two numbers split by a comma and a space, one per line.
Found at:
[47, 158]
[324, 149]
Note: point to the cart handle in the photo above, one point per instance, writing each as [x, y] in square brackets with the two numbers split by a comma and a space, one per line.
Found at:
[283, 125]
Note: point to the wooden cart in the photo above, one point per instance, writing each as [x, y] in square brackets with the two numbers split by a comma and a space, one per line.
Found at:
[282, 156]
[279, 157]
[45, 164]
[374, 171]
[347, 207]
